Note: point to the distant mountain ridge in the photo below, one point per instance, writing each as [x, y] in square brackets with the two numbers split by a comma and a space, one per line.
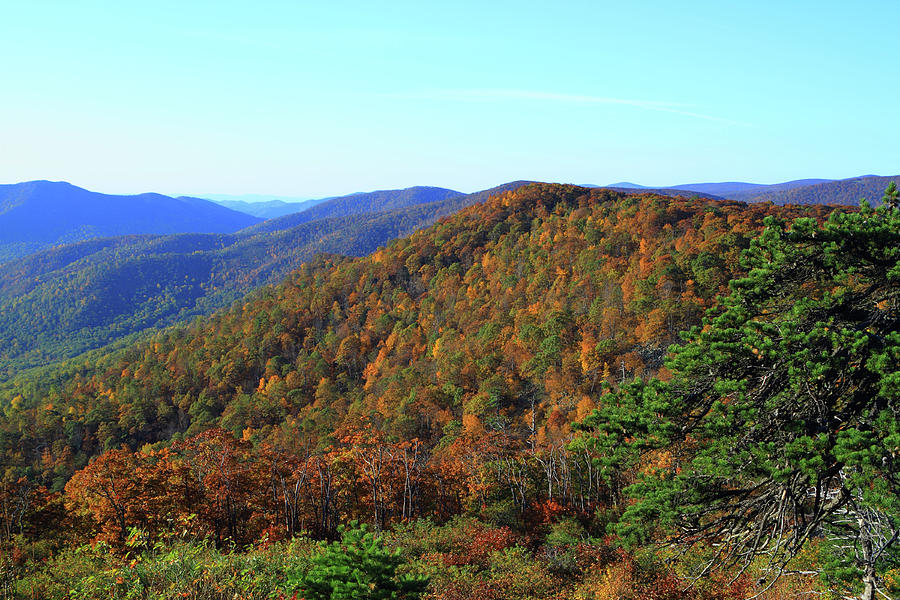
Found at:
[39, 214]
[72, 298]
[847, 192]
[360, 203]
[269, 209]
[721, 188]
[252, 198]
[625, 185]
[670, 192]
[841, 192]
[734, 189]
[730, 190]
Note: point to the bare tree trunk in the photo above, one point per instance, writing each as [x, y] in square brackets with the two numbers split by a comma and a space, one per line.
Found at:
[868, 559]
[869, 585]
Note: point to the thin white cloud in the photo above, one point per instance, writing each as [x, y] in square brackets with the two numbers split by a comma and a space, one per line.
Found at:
[482, 95]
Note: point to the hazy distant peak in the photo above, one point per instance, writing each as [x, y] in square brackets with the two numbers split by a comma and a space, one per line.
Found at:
[252, 198]
[734, 190]
[358, 203]
[721, 188]
[38, 214]
[626, 184]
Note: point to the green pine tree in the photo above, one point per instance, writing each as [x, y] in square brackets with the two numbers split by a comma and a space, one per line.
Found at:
[781, 422]
[358, 567]
[891, 195]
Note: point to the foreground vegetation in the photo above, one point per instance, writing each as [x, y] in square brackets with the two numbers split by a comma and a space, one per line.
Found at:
[463, 559]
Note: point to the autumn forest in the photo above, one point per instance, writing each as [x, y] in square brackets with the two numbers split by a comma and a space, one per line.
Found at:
[560, 392]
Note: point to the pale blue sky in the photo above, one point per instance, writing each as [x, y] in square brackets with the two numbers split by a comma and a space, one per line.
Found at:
[312, 99]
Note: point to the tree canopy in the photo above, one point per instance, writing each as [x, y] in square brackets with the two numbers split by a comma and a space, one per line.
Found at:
[779, 423]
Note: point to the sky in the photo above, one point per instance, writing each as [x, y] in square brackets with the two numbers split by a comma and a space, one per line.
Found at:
[312, 99]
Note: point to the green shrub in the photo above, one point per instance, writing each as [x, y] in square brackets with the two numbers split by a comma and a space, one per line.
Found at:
[358, 567]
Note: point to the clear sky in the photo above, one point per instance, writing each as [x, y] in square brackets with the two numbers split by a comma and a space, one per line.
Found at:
[321, 98]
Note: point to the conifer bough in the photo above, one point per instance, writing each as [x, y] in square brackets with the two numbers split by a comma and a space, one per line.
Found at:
[780, 425]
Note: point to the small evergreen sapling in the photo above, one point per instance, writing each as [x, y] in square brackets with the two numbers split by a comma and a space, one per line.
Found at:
[358, 567]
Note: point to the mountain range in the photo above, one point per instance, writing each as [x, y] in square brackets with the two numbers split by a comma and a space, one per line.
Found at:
[734, 189]
[724, 189]
[538, 293]
[454, 367]
[359, 203]
[268, 209]
[437, 364]
[66, 300]
[334, 206]
[843, 191]
[847, 192]
[38, 214]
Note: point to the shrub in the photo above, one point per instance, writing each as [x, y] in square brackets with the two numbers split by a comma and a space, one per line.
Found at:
[358, 567]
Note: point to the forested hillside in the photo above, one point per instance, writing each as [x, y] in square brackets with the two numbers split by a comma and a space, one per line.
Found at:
[506, 317]
[355, 204]
[841, 192]
[430, 389]
[66, 300]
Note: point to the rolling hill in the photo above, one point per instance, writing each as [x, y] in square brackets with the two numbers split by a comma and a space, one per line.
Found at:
[39, 214]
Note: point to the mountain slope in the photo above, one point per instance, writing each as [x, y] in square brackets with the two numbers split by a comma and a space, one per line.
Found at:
[506, 316]
[63, 301]
[39, 214]
[355, 204]
[846, 192]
